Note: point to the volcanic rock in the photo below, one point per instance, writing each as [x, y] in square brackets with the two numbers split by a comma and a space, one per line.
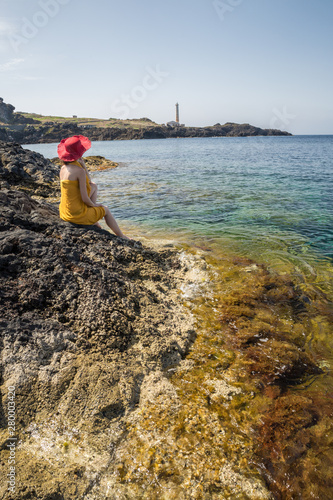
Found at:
[86, 317]
[28, 171]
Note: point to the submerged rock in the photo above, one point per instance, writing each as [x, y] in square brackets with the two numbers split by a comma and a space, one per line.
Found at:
[263, 319]
[292, 446]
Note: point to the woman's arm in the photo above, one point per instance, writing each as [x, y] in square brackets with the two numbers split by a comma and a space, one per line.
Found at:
[83, 188]
[81, 161]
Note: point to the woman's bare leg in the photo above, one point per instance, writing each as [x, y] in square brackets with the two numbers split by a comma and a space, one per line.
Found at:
[112, 223]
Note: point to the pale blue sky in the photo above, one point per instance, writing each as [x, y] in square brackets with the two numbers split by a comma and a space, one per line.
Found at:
[264, 62]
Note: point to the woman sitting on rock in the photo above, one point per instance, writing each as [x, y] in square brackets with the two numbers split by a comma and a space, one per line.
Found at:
[78, 193]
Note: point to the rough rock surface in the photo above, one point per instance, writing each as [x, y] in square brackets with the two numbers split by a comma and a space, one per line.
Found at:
[6, 111]
[86, 318]
[28, 171]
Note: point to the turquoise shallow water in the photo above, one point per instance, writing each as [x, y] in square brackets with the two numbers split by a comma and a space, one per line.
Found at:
[268, 198]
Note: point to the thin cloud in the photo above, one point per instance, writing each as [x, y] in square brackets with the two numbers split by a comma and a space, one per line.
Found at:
[10, 64]
[6, 27]
[27, 78]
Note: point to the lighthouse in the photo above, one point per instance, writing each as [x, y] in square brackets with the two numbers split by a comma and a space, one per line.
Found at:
[175, 124]
[177, 112]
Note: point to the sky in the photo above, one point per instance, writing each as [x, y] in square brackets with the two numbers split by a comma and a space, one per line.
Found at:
[263, 62]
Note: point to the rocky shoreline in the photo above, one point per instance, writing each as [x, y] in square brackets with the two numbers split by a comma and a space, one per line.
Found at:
[27, 171]
[88, 319]
[92, 328]
[17, 127]
[120, 390]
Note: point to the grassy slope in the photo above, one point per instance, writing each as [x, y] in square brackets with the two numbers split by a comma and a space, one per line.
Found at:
[112, 122]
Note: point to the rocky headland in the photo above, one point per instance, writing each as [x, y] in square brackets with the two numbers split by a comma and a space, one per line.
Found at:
[8, 115]
[30, 134]
[32, 129]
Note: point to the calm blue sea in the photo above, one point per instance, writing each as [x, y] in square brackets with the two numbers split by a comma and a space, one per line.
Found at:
[268, 198]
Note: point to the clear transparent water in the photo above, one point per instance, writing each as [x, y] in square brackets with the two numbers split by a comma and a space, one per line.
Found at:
[268, 197]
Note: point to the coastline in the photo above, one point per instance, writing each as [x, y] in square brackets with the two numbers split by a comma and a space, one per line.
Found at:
[162, 398]
[79, 387]
[30, 134]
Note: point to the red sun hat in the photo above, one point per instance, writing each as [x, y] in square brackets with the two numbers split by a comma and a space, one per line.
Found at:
[73, 148]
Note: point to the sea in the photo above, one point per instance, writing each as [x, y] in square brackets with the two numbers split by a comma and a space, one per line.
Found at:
[269, 198]
[263, 205]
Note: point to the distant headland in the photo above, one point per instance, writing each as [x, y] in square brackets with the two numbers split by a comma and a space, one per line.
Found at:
[31, 128]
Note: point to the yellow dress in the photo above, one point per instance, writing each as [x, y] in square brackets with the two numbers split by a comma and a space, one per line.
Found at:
[72, 208]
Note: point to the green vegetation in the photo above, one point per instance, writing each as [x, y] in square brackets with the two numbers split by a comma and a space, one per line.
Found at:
[97, 122]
